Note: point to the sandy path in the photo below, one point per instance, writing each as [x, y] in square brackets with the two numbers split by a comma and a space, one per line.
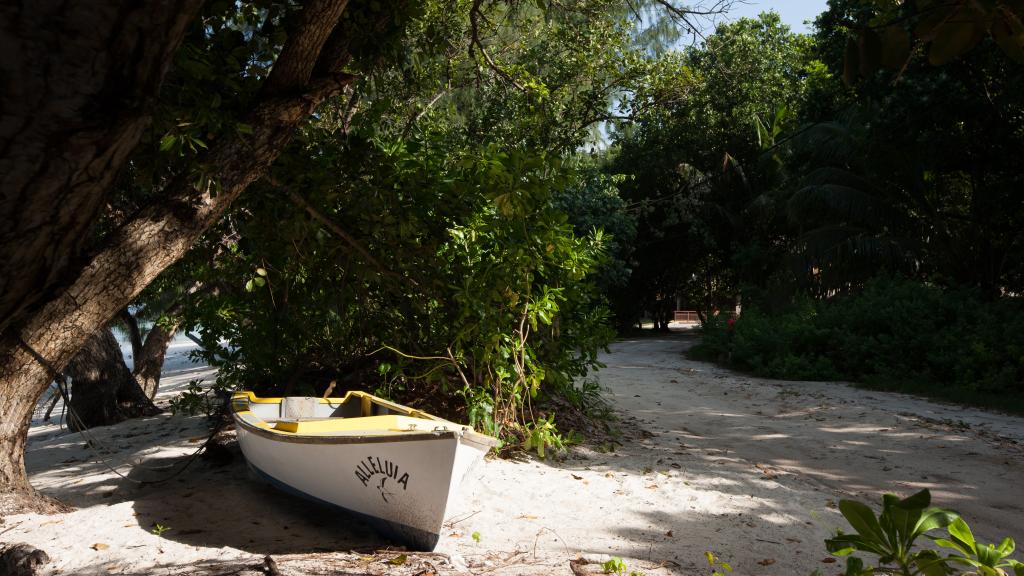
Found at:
[744, 467]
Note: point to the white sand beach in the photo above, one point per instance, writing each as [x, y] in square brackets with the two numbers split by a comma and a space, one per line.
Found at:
[709, 460]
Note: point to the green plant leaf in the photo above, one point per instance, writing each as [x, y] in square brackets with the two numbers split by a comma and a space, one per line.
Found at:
[167, 142]
[846, 544]
[929, 563]
[958, 546]
[960, 531]
[987, 555]
[933, 518]
[1007, 546]
[862, 519]
[897, 520]
[917, 501]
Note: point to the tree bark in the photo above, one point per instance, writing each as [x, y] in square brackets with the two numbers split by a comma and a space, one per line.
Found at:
[79, 78]
[103, 390]
[161, 233]
[149, 361]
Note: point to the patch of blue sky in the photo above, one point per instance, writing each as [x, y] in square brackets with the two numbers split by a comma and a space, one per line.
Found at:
[799, 15]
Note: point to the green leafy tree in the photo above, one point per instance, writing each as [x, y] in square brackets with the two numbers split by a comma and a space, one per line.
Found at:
[703, 117]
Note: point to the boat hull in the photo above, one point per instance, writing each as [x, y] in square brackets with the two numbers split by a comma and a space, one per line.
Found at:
[415, 538]
[400, 485]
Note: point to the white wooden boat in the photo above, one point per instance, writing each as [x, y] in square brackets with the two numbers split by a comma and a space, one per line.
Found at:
[395, 467]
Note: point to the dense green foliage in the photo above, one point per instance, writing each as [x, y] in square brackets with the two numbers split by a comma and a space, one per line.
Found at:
[862, 201]
[896, 334]
[435, 235]
[690, 160]
[506, 180]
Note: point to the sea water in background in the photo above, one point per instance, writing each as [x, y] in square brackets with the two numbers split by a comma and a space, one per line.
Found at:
[178, 370]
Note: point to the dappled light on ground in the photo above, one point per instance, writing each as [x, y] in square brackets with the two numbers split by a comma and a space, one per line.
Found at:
[707, 460]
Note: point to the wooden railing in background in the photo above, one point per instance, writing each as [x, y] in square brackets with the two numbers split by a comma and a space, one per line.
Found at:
[688, 316]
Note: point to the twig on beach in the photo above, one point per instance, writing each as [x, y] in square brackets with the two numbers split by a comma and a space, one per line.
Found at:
[270, 566]
[560, 539]
[510, 560]
[463, 519]
[9, 528]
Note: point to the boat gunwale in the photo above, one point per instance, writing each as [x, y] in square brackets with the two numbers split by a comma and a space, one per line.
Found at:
[466, 435]
[346, 438]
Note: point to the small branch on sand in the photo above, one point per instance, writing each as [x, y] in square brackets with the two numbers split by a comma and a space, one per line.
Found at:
[577, 567]
[270, 566]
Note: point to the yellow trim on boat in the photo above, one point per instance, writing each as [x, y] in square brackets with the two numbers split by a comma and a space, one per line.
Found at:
[372, 424]
[256, 421]
[403, 422]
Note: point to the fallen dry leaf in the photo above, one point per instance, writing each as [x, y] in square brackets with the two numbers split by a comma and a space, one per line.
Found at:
[100, 546]
[766, 562]
[828, 560]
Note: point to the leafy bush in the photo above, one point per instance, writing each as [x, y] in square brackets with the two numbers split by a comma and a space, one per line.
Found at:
[891, 536]
[894, 334]
[460, 284]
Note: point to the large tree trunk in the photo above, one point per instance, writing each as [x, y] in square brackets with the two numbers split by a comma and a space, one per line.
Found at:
[149, 361]
[22, 381]
[103, 390]
[79, 80]
[161, 233]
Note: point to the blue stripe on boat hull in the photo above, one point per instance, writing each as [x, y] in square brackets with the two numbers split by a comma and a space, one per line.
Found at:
[413, 537]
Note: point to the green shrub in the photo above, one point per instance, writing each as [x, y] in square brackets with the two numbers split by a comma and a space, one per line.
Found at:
[895, 334]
